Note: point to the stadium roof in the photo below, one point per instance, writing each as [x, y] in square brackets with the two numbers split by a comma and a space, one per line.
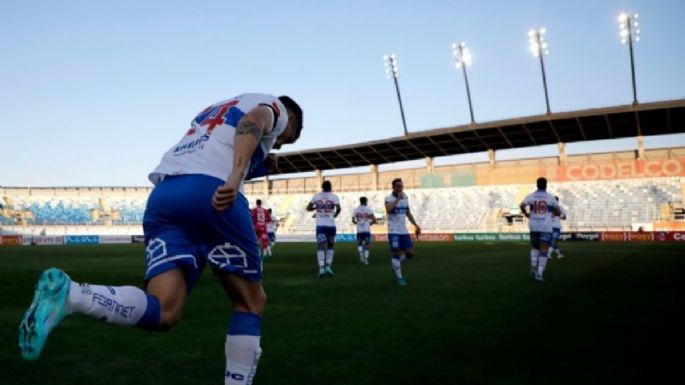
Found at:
[656, 118]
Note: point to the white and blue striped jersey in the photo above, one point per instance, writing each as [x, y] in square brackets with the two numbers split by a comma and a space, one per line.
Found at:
[556, 220]
[396, 219]
[207, 146]
[541, 205]
[324, 203]
[363, 215]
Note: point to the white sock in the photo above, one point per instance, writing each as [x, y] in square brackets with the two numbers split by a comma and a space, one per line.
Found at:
[366, 254]
[120, 305]
[242, 356]
[268, 249]
[320, 257]
[361, 251]
[329, 257]
[403, 258]
[534, 258]
[397, 267]
[542, 263]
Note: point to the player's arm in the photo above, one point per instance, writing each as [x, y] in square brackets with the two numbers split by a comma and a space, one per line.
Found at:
[390, 206]
[337, 210]
[563, 213]
[522, 206]
[354, 219]
[413, 222]
[374, 220]
[248, 133]
[311, 206]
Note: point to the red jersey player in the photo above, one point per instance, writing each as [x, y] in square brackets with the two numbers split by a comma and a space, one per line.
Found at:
[260, 217]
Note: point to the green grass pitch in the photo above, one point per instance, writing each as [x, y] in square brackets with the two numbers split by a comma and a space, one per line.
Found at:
[608, 313]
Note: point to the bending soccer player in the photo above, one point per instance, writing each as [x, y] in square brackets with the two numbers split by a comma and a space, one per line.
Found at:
[363, 217]
[542, 206]
[556, 231]
[401, 246]
[195, 216]
[327, 206]
[260, 218]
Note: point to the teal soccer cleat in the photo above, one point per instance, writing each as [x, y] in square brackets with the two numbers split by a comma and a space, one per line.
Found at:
[329, 271]
[46, 312]
[401, 281]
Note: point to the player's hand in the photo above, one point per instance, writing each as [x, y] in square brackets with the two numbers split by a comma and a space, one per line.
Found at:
[417, 231]
[225, 195]
[403, 195]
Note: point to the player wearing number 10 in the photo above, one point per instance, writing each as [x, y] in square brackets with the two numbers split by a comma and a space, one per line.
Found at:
[327, 206]
[542, 206]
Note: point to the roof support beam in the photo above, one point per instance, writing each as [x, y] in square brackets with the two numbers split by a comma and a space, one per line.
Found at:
[580, 127]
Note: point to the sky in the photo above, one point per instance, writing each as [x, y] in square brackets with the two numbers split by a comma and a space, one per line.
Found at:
[94, 92]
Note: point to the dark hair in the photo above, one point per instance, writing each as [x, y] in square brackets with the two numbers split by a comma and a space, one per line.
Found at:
[363, 200]
[395, 181]
[269, 210]
[293, 107]
[259, 202]
[326, 186]
[542, 183]
[557, 198]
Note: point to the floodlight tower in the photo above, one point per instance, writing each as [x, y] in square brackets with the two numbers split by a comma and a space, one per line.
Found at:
[538, 46]
[462, 59]
[630, 32]
[392, 71]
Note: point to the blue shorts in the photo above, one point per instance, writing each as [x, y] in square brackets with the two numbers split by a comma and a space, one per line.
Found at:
[182, 230]
[538, 238]
[363, 238]
[556, 233]
[325, 234]
[400, 242]
[272, 237]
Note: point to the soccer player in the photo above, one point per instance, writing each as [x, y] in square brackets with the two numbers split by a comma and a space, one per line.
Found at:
[363, 217]
[327, 206]
[271, 232]
[556, 231]
[195, 216]
[260, 218]
[401, 246]
[542, 206]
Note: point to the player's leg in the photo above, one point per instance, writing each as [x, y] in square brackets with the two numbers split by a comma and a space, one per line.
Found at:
[545, 239]
[233, 254]
[321, 250]
[242, 346]
[557, 238]
[534, 252]
[360, 246]
[396, 258]
[330, 251]
[367, 242]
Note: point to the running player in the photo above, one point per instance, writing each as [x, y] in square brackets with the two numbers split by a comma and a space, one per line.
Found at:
[327, 206]
[271, 226]
[260, 218]
[556, 231]
[195, 216]
[401, 246]
[363, 217]
[542, 206]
